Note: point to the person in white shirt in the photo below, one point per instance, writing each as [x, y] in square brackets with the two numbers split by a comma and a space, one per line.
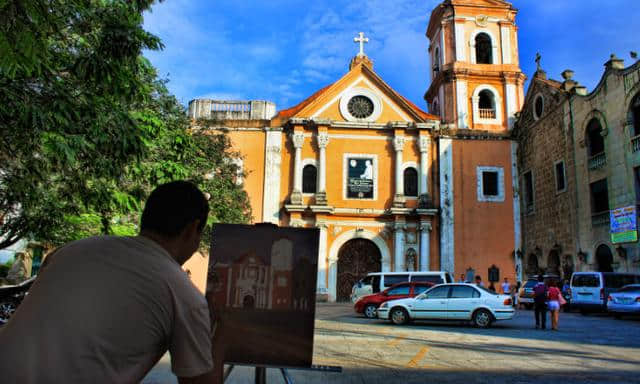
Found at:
[105, 309]
[506, 287]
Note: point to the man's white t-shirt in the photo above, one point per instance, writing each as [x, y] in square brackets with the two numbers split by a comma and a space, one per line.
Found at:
[506, 288]
[104, 310]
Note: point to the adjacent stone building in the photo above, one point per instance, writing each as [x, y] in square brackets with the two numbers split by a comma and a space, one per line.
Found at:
[579, 163]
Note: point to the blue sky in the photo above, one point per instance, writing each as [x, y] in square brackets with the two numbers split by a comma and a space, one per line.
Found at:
[284, 50]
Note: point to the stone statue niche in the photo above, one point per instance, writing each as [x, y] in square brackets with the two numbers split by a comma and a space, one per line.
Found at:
[21, 268]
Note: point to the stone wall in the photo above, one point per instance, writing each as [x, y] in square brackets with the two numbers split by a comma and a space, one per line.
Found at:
[561, 222]
[547, 229]
[609, 103]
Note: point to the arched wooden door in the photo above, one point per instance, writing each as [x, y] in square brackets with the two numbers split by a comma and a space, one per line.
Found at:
[532, 265]
[553, 263]
[356, 259]
[604, 258]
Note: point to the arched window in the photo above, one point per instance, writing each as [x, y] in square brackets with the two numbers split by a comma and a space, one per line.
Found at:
[635, 115]
[595, 140]
[487, 105]
[411, 182]
[604, 258]
[309, 179]
[435, 108]
[436, 60]
[484, 49]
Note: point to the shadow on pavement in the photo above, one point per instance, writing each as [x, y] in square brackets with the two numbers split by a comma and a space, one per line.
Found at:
[443, 376]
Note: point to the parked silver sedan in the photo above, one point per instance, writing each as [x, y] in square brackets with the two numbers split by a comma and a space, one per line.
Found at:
[461, 302]
[625, 300]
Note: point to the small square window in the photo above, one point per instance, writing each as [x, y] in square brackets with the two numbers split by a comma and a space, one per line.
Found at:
[490, 183]
[560, 177]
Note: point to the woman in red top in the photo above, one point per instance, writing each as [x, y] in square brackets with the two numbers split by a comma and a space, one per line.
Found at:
[554, 304]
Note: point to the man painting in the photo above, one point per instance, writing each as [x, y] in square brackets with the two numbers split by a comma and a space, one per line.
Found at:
[105, 309]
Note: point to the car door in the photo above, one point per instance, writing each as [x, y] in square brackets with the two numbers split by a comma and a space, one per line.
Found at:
[400, 291]
[432, 304]
[419, 288]
[462, 300]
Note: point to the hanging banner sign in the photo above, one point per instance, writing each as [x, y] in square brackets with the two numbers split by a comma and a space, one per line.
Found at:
[624, 225]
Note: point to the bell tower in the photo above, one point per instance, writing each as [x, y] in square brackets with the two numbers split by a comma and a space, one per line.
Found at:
[476, 78]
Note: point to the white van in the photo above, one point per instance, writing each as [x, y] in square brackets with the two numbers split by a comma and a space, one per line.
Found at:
[379, 281]
[589, 290]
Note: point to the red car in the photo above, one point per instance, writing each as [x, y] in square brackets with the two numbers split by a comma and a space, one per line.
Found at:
[369, 304]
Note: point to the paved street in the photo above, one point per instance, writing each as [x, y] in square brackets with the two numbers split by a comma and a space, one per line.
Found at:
[587, 349]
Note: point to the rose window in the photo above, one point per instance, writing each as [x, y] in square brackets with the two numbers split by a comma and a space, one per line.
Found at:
[360, 107]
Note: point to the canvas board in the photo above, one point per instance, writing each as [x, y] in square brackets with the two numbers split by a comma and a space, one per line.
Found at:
[261, 288]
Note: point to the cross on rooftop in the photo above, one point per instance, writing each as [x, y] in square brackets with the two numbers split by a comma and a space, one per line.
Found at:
[361, 39]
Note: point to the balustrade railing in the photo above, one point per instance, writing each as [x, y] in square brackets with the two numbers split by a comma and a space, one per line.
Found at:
[635, 143]
[487, 113]
[600, 219]
[597, 161]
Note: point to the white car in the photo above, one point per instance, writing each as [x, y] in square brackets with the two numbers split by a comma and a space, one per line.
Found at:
[461, 302]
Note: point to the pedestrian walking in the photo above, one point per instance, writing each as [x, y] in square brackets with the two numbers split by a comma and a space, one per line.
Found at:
[506, 287]
[540, 303]
[479, 282]
[515, 294]
[462, 278]
[554, 304]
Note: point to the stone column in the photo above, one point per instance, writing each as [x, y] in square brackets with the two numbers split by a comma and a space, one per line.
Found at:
[424, 143]
[425, 231]
[322, 259]
[321, 195]
[399, 247]
[398, 145]
[298, 140]
[333, 278]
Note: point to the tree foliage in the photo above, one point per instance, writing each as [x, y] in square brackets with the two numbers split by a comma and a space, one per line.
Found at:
[87, 129]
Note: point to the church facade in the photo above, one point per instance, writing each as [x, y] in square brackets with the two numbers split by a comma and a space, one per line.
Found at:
[390, 186]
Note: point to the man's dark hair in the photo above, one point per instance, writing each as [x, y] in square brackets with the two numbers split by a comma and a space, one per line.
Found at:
[173, 206]
[540, 278]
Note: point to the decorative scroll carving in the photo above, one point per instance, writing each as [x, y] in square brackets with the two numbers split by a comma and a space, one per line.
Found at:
[298, 139]
[398, 143]
[323, 139]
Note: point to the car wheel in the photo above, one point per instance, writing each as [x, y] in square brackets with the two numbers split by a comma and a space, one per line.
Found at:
[583, 312]
[482, 318]
[7, 309]
[617, 316]
[370, 311]
[399, 316]
[528, 306]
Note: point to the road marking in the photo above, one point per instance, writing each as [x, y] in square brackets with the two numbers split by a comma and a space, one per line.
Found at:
[417, 357]
[396, 340]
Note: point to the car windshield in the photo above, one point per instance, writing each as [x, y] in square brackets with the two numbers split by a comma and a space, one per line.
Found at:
[486, 290]
[530, 283]
[629, 288]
